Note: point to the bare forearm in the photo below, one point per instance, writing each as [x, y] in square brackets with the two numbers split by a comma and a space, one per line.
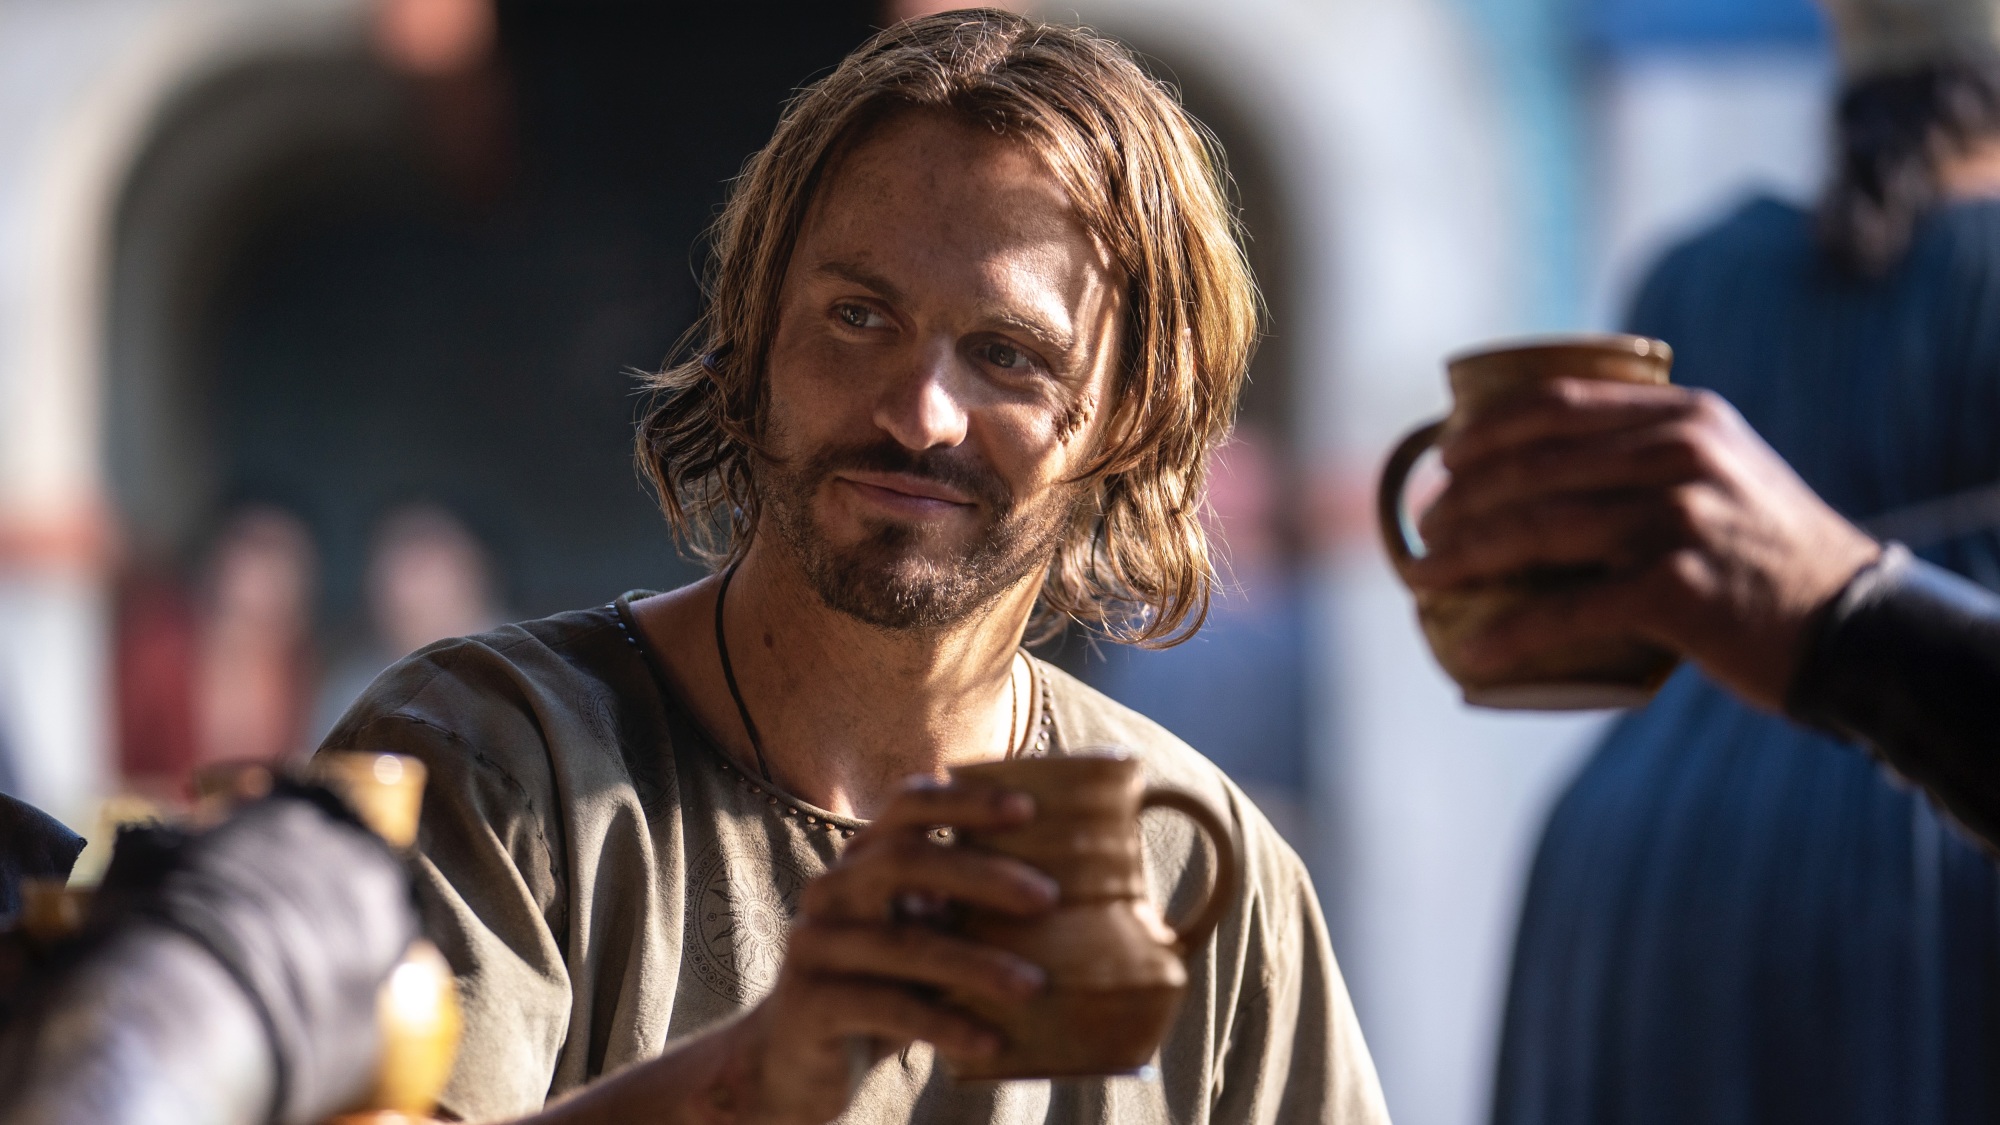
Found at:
[698, 1081]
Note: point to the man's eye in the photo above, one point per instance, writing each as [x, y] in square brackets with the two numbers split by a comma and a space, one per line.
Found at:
[1006, 358]
[857, 316]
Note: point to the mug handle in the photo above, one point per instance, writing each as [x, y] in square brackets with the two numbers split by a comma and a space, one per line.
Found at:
[1228, 865]
[1399, 533]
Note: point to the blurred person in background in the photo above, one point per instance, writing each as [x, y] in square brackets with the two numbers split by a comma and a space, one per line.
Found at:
[220, 675]
[428, 579]
[1732, 917]
[255, 672]
[155, 664]
[977, 319]
[1237, 690]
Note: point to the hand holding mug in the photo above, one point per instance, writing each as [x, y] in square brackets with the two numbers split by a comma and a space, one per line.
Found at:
[1598, 669]
[1116, 969]
[1705, 540]
[860, 976]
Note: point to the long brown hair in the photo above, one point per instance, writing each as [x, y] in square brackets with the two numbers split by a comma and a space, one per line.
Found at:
[1146, 180]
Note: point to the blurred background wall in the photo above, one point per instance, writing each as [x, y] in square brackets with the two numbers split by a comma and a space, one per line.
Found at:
[318, 318]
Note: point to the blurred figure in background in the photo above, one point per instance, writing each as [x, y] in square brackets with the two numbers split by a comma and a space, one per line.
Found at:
[1236, 689]
[428, 579]
[253, 683]
[1732, 918]
[156, 661]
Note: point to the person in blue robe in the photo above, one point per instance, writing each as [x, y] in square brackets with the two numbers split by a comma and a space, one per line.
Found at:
[1731, 918]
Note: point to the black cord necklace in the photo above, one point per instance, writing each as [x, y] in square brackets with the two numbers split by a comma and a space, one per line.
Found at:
[729, 676]
[1014, 749]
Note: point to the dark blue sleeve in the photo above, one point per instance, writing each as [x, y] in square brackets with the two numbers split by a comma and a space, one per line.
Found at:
[1907, 661]
[33, 845]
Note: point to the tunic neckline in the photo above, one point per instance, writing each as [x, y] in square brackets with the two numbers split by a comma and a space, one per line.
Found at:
[778, 801]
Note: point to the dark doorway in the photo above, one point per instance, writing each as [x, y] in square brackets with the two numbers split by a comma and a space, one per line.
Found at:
[398, 334]
[342, 288]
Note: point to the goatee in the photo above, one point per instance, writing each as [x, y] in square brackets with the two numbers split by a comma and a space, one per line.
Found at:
[899, 576]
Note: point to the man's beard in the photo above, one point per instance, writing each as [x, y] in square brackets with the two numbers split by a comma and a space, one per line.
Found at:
[888, 579]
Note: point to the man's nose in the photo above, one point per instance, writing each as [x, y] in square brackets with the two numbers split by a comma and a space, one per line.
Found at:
[922, 408]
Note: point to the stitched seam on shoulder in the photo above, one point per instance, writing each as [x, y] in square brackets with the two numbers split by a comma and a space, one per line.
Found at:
[563, 644]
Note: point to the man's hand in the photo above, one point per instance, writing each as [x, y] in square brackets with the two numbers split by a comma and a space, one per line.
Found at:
[1710, 544]
[861, 978]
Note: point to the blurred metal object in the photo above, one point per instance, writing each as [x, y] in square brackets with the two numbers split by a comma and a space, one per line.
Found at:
[222, 787]
[50, 911]
[420, 1020]
[385, 790]
[416, 1010]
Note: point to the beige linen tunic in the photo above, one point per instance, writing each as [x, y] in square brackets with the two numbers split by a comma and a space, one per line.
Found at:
[604, 881]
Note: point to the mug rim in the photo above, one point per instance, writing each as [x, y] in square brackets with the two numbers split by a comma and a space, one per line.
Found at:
[1621, 343]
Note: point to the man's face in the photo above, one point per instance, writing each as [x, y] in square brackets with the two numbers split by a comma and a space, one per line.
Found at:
[948, 333]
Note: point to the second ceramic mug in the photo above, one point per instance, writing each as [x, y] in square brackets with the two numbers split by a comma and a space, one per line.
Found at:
[1116, 970]
[1618, 672]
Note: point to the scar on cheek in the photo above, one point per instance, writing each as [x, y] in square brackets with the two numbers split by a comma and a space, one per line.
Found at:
[1075, 417]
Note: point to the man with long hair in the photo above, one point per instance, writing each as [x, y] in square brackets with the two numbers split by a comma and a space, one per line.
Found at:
[977, 317]
[1734, 916]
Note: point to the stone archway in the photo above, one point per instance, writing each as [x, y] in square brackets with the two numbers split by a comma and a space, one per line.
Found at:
[221, 157]
[180, 140]
[105, 72]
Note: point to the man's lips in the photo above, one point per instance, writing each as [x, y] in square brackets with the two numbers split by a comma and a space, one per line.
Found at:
[905, 490]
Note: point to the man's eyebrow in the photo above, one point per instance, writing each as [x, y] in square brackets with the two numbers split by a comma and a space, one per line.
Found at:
[862, 276]
[1062, 340]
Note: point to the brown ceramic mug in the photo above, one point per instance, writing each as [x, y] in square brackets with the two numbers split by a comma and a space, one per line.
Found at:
[1116, 970]
[1620, 672]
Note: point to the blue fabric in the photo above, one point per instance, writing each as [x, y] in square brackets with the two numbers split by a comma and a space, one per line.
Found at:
[1731, 919]
[33, 845]
[1639, 25]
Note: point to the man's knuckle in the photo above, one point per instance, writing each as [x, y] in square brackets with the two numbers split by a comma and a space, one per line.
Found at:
[1569, 392]
[1687, 508]
[1710, 410]
[1685, 569]
[1680, 449]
